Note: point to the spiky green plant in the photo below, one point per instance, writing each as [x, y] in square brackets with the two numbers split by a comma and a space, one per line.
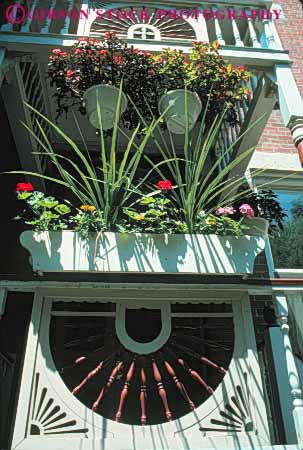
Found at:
[107, 187]
[198, 188]
[113, 185]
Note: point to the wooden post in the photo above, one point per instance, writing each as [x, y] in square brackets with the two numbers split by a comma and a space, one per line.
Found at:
[292, 372]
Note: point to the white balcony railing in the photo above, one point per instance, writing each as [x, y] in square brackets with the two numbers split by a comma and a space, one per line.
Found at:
[238, 26]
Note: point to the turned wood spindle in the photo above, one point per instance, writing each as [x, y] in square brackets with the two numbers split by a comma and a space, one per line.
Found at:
[210, 363]
[125, 389]
[143, 397]
[161, 390]
[179, 385]
[108, 385]
[89, 376]
[195, 376]
[80, 360]
[202, 359]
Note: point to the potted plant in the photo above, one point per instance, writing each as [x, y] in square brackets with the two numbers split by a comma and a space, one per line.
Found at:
[263, 212]
[181, 109]
[218, 84]
[92, 67]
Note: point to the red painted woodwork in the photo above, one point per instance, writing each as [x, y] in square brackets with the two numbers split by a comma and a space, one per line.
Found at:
[210, 363]
[108, 385]
[161, 390]
[125, 389]
[195, 376]
[143, 397]
[179, 385]
[91, 375]
[80, 360]
[202, 358]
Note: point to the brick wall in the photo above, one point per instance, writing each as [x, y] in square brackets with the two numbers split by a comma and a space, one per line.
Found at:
[276, 138]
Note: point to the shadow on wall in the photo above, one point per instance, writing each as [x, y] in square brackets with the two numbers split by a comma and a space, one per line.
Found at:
[14, 260]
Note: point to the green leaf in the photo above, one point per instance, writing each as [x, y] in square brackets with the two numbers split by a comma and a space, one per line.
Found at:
[63, 209]
[48, 203]
[24, 195]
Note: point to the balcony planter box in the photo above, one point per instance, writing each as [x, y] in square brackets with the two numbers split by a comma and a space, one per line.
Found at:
[148, 253]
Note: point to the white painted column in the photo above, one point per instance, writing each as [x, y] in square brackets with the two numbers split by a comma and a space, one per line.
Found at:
[252, 33]
[292, 372]
[285, 397]
[236, 33]
[270, 39]
[47, 19]
[218, 30]
[68, 6]
[31, 14]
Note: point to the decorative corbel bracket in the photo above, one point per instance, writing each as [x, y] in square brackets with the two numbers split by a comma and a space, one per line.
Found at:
[291, 105]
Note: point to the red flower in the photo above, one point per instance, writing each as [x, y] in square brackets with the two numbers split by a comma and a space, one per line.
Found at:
[78, 51]
[118, 59]
[56, 51]
[107, 35]
[24, 187]
[164, 185]
[69, 73]
[242, 68]
[63, 54]
[103, 52]
[146, 53]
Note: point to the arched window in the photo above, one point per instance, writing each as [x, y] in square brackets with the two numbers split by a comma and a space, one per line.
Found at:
[144, 24]
[144, 32]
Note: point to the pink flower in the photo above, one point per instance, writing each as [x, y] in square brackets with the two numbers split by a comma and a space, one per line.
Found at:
[103, 52]
[56, 51]
[78, 51]
[107, 35]
[229, 210]
[247, 211]
[220, 211]
[69, 73]
[63, 54]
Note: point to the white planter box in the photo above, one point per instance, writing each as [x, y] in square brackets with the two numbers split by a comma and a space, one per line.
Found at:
[148, 253]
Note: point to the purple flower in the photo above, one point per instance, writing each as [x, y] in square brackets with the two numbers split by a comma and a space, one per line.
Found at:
[247, 211]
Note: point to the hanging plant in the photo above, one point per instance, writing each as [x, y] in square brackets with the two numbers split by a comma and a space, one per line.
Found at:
[146, 77]
[204, 71]
[109, 62]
